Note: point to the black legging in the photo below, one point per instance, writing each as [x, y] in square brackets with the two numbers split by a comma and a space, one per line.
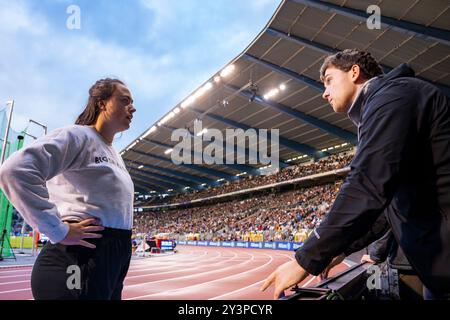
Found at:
[102, 269]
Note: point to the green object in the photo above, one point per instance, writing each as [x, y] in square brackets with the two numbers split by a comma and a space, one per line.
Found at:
[15, 142]
[334, 296]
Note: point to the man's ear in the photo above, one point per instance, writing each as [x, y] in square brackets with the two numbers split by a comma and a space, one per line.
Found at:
[355, 73]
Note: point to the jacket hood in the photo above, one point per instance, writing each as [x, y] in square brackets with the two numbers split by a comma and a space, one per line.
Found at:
[402, 70]
[373, 85]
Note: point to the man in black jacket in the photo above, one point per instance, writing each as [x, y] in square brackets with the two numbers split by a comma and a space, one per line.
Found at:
[402, 166]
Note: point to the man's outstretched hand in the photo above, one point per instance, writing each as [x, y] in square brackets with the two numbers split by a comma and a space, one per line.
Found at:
[284, 277]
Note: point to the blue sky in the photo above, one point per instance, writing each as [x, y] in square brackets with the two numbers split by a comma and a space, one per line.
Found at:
[162, 49]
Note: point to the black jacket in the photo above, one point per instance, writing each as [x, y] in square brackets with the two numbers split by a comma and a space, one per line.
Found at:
[387, 249]
[381, 246]
[402, 165]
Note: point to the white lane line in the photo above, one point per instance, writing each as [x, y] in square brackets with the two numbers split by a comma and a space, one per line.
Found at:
[206, 282]
[253, 284]
[160, 261]
[179, 253]
[15, 266]
[191, 276]
[144, 260]
[177, 260]
[235, 291]
[177, 268]
[309, 281]
[14, 282]
[183, 268]
[204, 253]
[171, 264]
[15, 276]
[14, 271]
[18, 290]
[28, 274]
[346, 262]
[249, 286]
[285, 255]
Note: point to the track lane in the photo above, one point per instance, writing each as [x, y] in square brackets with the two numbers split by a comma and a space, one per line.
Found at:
[192, 273]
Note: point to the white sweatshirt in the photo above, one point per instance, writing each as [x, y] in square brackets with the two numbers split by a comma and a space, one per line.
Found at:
[69, 174]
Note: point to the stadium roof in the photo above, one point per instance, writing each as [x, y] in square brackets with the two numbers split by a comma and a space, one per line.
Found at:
[275, 83]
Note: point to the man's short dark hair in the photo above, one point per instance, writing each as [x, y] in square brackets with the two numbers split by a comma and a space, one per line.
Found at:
[344, 60]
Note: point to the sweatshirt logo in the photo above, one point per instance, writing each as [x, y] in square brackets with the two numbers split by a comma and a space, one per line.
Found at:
[102, 159]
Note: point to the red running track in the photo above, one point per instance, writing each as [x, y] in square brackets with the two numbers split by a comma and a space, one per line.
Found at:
[193, 273]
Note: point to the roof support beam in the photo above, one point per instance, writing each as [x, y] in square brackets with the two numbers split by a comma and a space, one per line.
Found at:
[180, 175]
[148, 187]
[194, 167]
[165, 178]
[405, 27]
[319, 124]
[329, 50]
[142, 189]
[143, 179]
[318, 86]
[239, 167]
[301, 41]
[293, 145]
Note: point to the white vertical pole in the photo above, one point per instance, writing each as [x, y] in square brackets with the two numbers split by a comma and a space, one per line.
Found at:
[34, 232]
[22, 232]
[33, 248]
[5, 141]
[5, 144]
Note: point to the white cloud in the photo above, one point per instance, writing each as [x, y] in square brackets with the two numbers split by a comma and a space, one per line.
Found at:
[163, 12]
[261, 4]
[16, 17]
[48, 72]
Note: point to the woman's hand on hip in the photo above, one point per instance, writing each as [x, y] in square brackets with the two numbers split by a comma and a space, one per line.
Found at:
[82, 230]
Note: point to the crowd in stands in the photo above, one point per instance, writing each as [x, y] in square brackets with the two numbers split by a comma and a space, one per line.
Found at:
[332, 162]
[277, 217]
[16, 224]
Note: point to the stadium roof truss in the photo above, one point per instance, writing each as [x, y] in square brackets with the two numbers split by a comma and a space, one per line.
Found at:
[274, 84]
